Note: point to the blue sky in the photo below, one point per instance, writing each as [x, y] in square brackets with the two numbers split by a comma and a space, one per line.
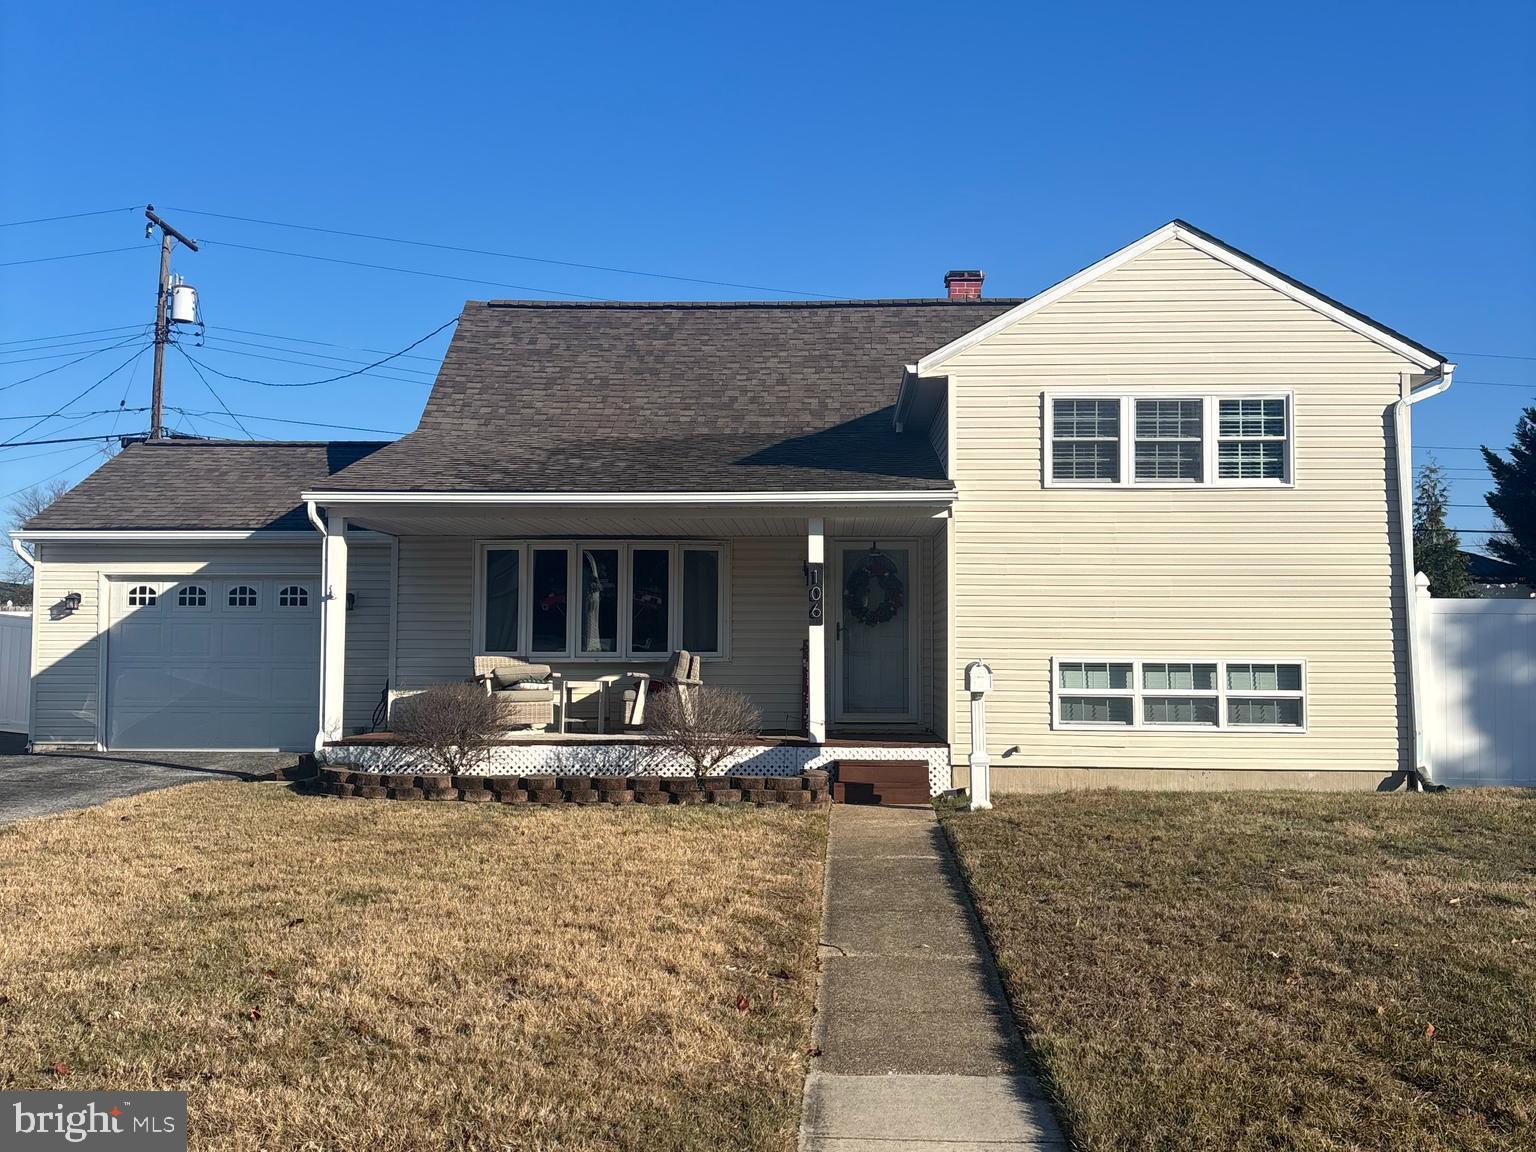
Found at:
[1384, 153]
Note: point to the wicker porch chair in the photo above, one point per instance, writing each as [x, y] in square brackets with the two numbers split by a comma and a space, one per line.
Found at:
[684, 672]
[519, 707]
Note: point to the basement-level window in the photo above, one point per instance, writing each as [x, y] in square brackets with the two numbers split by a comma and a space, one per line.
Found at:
[1187, 695]
[1167, 440]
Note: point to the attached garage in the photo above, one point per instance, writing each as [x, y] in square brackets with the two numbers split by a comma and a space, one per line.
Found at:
[232, 662]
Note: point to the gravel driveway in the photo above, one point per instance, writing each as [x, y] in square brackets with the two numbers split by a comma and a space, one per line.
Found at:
[57, 782]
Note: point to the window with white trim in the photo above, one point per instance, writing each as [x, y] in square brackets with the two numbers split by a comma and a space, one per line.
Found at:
[242, 596]
[1251, 439]
[1085, 441]
[192, 596]
[1141, 439]
[293, 596]
[1170, 440]
[142, 596]
[1178, 694]
[600, 599]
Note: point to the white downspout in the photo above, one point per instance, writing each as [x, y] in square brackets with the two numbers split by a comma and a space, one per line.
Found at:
[1403, 436]
[26, 557]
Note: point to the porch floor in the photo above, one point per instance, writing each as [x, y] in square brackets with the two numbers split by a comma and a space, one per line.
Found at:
[840, 739]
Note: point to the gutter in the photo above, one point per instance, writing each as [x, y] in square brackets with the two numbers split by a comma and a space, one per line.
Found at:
[1424, 772]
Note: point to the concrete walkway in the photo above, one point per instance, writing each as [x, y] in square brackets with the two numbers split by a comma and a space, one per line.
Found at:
[917, 1045]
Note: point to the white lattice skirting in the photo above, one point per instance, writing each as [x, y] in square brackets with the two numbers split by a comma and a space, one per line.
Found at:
[637, 759]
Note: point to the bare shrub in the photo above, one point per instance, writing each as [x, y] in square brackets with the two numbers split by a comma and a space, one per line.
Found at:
[702, 724]
[451, 724]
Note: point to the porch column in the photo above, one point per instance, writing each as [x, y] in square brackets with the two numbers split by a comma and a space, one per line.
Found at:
[333, 629]
[816, 659]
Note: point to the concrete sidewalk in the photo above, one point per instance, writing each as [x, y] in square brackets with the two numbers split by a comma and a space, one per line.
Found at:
[918, 1047]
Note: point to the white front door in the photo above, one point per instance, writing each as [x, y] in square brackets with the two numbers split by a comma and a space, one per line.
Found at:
[214, 662]
[874, 633]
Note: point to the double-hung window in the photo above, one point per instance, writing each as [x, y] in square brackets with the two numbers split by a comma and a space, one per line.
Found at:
[1138, 439]
[1085, 441]
[1251, 439]
[600, 599]
[1195, 695]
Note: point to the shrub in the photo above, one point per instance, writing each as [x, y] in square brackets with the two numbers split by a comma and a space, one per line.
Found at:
[702, 724]
[452, 724]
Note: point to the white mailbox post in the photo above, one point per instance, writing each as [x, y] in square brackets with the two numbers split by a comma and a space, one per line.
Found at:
[978, 682]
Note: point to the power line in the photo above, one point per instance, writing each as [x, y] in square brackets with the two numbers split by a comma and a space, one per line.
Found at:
[506, 255]
[211, 392]
[329, 379]
[393, 268]
[70, 256]
[80, 415]
[222, 340]
[70, 364]
[210, 347]
[49, 356]
[1497, 384]
[62, 335]
[78, 396]
[322, 343]
[59, 440]
[71, 216]
[1494, 355]
[70, 467]
[306, 423]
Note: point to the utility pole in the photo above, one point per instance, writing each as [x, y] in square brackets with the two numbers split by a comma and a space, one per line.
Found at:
[168, 236]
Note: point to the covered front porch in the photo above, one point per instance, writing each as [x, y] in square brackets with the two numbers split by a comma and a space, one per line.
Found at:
[829, 614]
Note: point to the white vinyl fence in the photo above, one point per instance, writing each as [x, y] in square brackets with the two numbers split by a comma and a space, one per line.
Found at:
[1479, 691]
[15, 670]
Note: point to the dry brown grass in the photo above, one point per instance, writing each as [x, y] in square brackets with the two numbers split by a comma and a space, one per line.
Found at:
[1262, 971]
[375, 975]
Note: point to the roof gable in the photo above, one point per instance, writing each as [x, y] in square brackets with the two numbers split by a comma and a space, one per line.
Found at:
[1226, 254]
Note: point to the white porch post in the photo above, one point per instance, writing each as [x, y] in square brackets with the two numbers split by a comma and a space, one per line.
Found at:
[333, 629]
[816, 662]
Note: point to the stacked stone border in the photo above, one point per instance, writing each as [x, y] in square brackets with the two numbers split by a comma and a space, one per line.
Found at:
[806, 790]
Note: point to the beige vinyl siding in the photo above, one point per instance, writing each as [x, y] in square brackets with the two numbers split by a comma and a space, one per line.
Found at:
[936, 654]
[68, 651]
[1308, 572]
[767, 621]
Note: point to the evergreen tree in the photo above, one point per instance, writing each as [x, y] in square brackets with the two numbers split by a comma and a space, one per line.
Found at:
[1513, 499]
[1436, 547]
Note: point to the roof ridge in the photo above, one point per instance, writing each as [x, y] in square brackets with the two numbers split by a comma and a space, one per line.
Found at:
[181, 442]
[875, 302]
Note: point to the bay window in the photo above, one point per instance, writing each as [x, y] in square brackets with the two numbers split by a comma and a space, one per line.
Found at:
[600, 600]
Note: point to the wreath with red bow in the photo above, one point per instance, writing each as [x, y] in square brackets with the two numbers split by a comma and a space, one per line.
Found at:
[858, 591]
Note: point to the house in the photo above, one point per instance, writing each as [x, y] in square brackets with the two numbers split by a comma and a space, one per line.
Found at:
[1164, 500]
[1495, 579]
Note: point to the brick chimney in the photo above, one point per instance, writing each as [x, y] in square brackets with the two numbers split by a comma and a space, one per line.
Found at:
[964, 284]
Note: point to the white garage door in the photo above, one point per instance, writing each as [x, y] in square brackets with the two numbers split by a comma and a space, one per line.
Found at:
[232, 662]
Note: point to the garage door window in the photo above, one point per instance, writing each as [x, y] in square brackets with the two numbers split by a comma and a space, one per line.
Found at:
[293, 596]
[242, 596]
[141, 596]
[192, 596]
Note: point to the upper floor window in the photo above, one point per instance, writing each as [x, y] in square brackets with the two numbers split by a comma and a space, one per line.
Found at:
[1143, 440]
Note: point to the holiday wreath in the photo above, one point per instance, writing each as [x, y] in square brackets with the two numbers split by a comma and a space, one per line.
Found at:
[874, 569]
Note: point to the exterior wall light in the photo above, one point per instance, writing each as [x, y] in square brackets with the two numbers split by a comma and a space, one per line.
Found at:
[72, 602]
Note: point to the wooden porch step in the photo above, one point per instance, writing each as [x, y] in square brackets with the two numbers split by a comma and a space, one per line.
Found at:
[881, 782]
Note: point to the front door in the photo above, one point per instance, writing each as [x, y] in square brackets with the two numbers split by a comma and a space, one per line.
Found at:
[874, 634]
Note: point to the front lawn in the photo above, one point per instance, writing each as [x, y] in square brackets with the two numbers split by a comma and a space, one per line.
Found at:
[1271, 971]
[352, 974]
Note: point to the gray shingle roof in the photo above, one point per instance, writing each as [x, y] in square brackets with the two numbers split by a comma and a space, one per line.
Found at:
[201, 484]
[542, 396]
